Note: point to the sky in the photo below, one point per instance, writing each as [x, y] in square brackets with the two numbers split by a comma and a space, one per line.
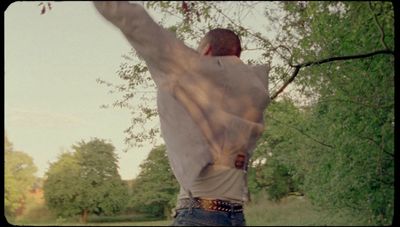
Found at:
[52, 99]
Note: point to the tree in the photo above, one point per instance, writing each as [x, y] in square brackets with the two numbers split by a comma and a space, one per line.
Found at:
[341, 145]
[281, 156]
[19, 171]
[155, 189]
[85, 181]
[354, 113]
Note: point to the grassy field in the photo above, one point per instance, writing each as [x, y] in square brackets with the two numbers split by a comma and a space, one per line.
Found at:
[291, 211]
[294, 211]
[146, 223]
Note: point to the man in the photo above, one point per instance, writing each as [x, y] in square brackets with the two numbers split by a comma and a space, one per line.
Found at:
[211, 112]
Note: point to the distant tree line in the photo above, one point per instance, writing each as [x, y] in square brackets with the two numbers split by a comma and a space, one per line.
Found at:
[19, 171]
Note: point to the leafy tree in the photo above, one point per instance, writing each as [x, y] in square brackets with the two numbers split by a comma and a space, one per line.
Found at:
[340, 146]
[280, 182]
[353, 115]
[155, 189]
[284, 148]
[19, 171]
[85, 181]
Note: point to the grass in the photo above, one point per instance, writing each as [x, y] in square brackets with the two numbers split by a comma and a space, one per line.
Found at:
[291, 211]
[295, 211]
[145, 223]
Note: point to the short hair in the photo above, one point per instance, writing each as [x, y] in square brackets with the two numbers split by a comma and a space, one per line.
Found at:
[223, 42]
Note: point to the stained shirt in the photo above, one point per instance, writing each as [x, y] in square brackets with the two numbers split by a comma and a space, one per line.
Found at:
[210, 108]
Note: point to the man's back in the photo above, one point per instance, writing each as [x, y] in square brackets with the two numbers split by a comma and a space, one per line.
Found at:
[210, 108]
[210, 115]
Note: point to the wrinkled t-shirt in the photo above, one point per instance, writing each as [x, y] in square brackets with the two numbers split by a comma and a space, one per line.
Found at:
[210, 108]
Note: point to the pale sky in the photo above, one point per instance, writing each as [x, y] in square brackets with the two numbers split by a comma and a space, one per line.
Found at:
[52, 100]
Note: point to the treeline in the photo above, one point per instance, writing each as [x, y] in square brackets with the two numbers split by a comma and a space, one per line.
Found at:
[19, 171]
[81, 182]
[84, 185]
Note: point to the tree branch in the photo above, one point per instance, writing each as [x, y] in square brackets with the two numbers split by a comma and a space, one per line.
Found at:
[342, 58]
[379, 26]
[376, 143]
[303, 133]
[299, 66]
[322, 61]
[294, 74]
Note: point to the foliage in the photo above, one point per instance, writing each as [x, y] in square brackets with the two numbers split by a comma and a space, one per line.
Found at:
[86, 181]
[44, 7]
[35, 213]
[19, 171]
[283, 149]
[280, 183]
[138, 86]
[354, 112]
[155, 189]
[339, 148]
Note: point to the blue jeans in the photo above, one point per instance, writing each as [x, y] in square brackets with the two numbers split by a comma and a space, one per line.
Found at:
[200, 217]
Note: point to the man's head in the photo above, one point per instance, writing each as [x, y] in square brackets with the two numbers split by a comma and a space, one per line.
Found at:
[220, 42]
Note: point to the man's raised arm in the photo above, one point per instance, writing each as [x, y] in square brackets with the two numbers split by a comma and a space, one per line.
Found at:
[156, 45]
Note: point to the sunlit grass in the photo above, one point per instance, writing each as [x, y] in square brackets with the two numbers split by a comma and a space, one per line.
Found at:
[294, 211]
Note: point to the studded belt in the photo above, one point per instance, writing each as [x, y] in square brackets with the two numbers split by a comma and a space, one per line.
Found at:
[210, 205]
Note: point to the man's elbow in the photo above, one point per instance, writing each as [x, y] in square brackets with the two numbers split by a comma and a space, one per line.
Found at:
[109, 10]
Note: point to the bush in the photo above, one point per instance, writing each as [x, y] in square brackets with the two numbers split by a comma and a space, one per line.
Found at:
[36, 214]
[281, 183]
